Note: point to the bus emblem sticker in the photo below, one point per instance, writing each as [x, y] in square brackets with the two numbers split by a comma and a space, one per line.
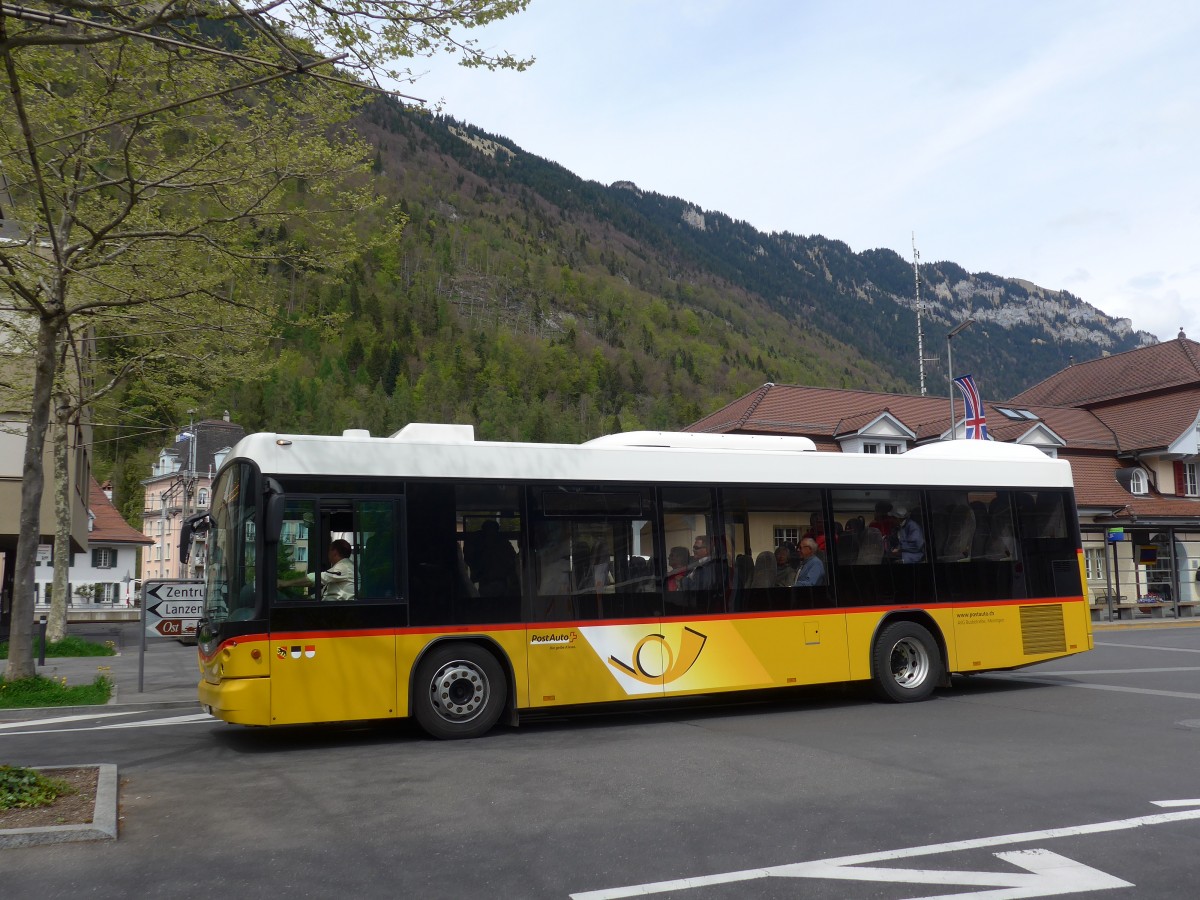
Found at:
[295, 653]
[281, 652]
[672, 668]
[310, 651]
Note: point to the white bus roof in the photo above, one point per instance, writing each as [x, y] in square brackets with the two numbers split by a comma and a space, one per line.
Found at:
[423, 450]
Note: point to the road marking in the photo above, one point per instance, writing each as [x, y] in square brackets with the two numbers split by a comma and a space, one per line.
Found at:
[189, 719]
[1150, 692]
[1086, 877]
[1148, 647]
[1045, 874]
[59, 719]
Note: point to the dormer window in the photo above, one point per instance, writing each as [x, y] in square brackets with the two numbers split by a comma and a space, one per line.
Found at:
[1137, 483]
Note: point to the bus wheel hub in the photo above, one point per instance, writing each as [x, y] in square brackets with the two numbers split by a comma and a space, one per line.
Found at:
[458, 691]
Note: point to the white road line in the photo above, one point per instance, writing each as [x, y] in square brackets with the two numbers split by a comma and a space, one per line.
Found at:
[55, 721]
[1105, 687]
[189, 719]
[1148, 647]
[807, 868]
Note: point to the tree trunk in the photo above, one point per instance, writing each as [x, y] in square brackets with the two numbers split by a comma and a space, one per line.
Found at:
[56, 624]
[20, 643]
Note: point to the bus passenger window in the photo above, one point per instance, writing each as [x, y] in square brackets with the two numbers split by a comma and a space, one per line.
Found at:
[591, 552]
[298, 550]
[375, 550]
[766, 532]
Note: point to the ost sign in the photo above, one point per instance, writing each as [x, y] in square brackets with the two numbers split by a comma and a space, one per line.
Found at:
[173, 607]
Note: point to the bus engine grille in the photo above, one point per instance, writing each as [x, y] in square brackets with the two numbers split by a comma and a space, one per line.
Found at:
[1042, 629]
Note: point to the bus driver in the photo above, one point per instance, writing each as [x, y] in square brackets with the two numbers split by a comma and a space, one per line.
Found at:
[337, 581]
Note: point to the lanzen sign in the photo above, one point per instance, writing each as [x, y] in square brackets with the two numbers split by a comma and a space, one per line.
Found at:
[173, 607]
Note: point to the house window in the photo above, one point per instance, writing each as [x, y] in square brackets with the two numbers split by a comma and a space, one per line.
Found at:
[1093, 563]
[1137, 482]
[874, 447]
[1189, 480]
[785, 533]
[202, 497]
[104, 558]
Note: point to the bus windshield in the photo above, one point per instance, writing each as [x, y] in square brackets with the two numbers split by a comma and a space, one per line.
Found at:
[230, 591]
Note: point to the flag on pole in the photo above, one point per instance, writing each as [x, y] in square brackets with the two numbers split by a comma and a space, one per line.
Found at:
[973, 419]
[183, 436]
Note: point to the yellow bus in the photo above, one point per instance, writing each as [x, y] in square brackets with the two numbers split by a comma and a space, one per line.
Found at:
[461, 582]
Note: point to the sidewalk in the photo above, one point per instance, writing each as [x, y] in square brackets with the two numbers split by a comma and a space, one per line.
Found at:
[169, 672]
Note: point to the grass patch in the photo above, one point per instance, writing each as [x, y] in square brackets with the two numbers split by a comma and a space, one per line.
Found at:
[68, 646]
[41, 691]
[22, 788]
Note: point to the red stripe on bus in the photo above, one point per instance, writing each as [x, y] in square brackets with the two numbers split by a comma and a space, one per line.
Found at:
[576, 623]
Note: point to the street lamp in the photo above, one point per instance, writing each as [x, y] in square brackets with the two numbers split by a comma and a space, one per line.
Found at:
[961, 326]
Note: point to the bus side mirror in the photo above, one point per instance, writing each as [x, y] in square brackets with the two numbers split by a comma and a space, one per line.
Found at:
[274, 523]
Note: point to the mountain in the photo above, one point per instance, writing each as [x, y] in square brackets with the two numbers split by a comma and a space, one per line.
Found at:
[865, 300]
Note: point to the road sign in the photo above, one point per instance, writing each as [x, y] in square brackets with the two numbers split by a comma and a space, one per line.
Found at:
[174, 628]
[173, 607]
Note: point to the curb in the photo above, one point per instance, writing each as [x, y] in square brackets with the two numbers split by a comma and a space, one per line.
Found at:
[103, 826]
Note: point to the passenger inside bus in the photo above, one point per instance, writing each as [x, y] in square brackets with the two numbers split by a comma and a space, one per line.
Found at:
[677, 567]
[765, 571]
[493, 561]
[907, 541]
[812, 570]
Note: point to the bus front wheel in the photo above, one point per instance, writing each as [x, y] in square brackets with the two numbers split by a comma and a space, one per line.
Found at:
[460, 692]
[905, 663]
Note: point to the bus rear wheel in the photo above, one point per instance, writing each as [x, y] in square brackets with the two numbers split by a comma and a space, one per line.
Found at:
[460, 692]
[905, 663]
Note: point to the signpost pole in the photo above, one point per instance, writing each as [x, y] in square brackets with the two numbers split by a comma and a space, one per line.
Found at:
[142, 645]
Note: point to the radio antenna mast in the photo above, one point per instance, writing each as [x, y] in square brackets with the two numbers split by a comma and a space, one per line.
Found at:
[920, 311]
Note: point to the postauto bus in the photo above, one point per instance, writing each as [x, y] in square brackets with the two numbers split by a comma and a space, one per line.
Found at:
[492, 580]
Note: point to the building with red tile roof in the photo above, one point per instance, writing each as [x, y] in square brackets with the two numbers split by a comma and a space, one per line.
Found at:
[1129, 424]
[106, 571]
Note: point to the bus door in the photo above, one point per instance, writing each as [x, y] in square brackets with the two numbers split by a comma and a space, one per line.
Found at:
[334, 616]
[594, 618]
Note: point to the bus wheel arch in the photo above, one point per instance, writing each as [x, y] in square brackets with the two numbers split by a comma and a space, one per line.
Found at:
[461, 688]
[908, 658]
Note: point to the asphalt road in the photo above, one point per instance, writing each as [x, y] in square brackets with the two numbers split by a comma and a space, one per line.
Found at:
[996, 788]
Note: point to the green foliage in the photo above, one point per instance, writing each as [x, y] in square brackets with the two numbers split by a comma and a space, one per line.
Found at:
[22, 788]
[39, 691]
[68, 646]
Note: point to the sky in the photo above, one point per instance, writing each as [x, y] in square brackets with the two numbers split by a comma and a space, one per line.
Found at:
[1055, 141]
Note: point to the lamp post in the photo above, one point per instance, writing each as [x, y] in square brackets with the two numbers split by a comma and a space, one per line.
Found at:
[961, 326]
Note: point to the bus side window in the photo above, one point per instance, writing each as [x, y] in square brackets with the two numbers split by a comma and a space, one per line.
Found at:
[375, 549]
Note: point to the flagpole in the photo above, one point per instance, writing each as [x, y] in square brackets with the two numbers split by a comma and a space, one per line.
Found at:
[961, 326]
